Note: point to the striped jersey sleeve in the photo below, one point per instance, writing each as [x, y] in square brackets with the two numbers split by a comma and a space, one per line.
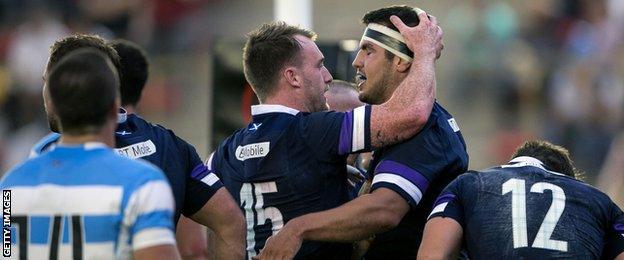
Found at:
[355, 131]
[335, 134]
[149, 215]
[450, 203]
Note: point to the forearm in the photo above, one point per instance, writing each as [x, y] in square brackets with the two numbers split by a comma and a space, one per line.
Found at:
[192, 239]
[223, 216]
[228, 247]
[356, 220]
[408, 110]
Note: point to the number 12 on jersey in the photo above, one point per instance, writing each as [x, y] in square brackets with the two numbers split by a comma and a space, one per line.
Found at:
[517, 187]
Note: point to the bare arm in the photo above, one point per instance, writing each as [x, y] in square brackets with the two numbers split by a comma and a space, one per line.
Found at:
[441, 239]
[358, 219]
[408, 110]
[165, 252]
[192, 239]
[224, 217]
[620, 257]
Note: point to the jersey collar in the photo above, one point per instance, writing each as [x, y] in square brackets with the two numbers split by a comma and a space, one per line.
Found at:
[87, 146]
[527, 161]
[265, 109]
[122, 116]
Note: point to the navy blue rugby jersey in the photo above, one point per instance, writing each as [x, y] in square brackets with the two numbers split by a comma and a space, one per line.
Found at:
[287, 163]
[523, 211]
[418, 170]
[136, 138]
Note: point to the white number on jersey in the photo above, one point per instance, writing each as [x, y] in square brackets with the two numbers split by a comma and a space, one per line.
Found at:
[519, 219]
[256, 213]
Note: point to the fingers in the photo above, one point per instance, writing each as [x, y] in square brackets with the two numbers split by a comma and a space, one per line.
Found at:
[398, 23]
[423, 17]
[433, 19]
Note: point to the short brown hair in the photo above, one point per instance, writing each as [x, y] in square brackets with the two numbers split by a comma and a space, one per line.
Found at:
[267, 50]
[554, 157]
[83, 86]
[64, 46]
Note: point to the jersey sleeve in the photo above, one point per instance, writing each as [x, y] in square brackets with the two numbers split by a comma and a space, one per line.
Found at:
[407, 168]
[149, 214]
[201, 183]
[614, 245]
[338, 133]
[452, 202]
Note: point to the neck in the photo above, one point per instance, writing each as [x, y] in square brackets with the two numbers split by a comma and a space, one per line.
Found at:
[103, 135]
[286, 101]
[130, 109]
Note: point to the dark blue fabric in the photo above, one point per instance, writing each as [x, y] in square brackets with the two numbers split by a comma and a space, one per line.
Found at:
[438, 154]
[588, 223]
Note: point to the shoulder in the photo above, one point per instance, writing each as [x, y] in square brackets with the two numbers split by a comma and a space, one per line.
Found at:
[22, 172]
[128, 168]
[468, 180]
[321, 116]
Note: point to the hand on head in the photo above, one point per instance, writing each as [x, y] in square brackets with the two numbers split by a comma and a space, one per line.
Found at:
[424, 39]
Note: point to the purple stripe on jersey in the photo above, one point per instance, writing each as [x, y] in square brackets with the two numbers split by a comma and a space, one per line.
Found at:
[444, 198]
[387, 166]
[199, 172]
[619, 227]
[346, 134]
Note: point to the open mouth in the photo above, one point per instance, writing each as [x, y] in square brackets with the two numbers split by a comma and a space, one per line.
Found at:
[360, 79]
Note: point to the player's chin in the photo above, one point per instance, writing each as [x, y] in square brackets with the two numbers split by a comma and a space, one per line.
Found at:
[365, 97]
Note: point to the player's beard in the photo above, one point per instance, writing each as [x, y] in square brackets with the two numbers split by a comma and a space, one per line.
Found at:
[377, 92]
[316, 101]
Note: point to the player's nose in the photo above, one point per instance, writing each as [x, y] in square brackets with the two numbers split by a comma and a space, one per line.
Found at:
[357, 62]
[327, 77]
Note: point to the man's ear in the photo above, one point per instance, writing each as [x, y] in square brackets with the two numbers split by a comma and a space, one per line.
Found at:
[115, 109]
[401, 65]
[291, 74]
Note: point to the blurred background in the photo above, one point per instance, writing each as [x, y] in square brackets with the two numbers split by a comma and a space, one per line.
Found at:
[511, 70]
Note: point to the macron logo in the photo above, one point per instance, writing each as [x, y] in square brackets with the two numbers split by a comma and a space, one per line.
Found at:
[254, 150]
[137, 150]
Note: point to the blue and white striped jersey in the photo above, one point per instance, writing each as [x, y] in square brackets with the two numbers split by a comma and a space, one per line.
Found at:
[87, 202]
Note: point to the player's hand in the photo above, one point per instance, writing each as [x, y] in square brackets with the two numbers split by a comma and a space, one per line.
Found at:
[424, 39]
[283, 245]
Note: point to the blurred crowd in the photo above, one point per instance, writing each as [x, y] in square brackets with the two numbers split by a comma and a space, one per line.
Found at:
[549, 69]
[27, 30]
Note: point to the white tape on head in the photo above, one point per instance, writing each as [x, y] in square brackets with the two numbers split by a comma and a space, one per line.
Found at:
[388, 39]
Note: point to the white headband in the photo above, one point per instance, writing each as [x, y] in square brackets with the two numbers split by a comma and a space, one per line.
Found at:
[389, 39]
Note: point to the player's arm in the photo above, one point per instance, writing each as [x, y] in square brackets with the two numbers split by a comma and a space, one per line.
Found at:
[157, 252]
[441, 239]
[224, 217]
[192, 239]
[356, 220]
[149, 216]
[408, 110]
[207, 202]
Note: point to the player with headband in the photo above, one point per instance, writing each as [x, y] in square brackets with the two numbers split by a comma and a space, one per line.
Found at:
[407, 177]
